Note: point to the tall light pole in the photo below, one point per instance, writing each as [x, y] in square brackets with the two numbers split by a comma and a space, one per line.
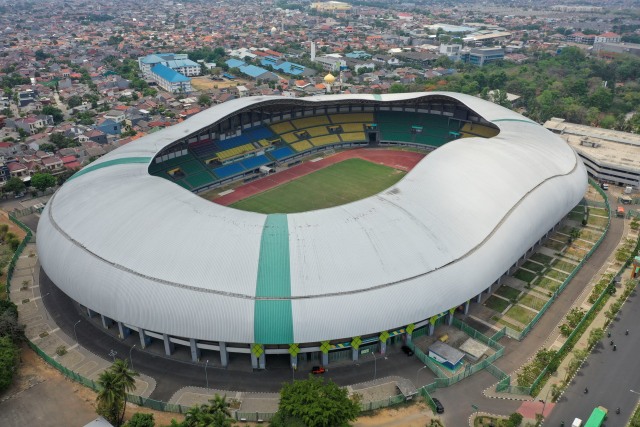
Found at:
[130, 358]
[113, 353]
[636, 392]
[75, 332]
[417, 372]
[205, 374]
[375, 365]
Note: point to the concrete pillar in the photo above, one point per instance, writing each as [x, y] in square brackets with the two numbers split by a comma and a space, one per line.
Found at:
[407, 338]
[354, 354]
[449, 318]
[499, 282]
[123, 330]
[294, 362]
[195, 351]
[262, 361]
[254, 361]
[325, 359]
[383, 347]
[145, 339]
[169, 347]
[224, 355]
[90, 313]
[106, 322]
[431, 330]
[466, 307]
[479, 298]
[489, 289]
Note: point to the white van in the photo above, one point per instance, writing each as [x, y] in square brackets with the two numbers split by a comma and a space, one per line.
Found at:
[577, 422]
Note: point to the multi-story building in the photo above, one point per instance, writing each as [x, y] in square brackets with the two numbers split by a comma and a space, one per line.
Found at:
[146, 63]
[608, 38]
[483, 55]
[171, 80]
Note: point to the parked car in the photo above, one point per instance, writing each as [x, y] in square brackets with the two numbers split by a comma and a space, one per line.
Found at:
[318, 370]
[439, 407]
[407, 350]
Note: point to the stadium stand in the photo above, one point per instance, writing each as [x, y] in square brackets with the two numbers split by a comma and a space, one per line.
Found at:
[317, 131]
[255, 162]
[233, 152]
[308, 122]
[352, 118]
[289, 138]
[473, 129]
[282, 127]
[282, 152]
[352, 127]
[416, 128]
[353, 137]
[228, 170]
[325, 140]
[302, 145]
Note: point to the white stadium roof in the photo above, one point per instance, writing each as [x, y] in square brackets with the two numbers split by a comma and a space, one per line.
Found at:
[144, 251]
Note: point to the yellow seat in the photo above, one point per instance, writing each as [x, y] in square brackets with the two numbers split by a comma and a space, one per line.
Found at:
[317, 131]
[282, 127]
[301, 145]
[289, 137]
[352, 127]
[308, 122]
[352, 118]
[325, 140]
[351, 137]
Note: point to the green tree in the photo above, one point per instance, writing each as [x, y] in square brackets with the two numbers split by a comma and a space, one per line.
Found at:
[316, 403]
[9, 325]
[595, 336]
[8, 361]
[126, 379]
[14, 185]
[397, 88]
[514, 420]
[55, 112]
[74, 101]
[141, 420]
[110, 398]
[204, 100]
[42, 181]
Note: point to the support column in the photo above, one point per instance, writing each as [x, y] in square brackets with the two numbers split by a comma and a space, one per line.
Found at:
[145, 339]
[383, 347]
[90, 313]
[224, 355]
[106, 322]
[169, 347]
[479, 298]
[407, 338]
[466, 307]
[355, 353]
[489, 289]
[294, 362]
[325, 359]
[432, 329]
[195, 351]
[262, 361]
[123, 330]
[254, 361]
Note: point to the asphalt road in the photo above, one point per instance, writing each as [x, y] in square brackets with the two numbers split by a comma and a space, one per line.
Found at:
[609, 375]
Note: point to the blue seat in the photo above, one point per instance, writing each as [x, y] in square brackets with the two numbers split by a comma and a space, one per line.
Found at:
[282, 153]
[254, 162]
[228, 170]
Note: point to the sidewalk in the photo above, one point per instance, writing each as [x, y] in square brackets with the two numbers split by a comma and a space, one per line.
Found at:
[42, 330]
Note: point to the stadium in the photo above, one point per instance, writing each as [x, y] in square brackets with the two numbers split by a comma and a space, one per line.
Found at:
[131, 241]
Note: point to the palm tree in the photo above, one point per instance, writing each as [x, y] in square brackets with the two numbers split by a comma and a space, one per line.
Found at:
[109, 397]
[219, 405]
[126, 381]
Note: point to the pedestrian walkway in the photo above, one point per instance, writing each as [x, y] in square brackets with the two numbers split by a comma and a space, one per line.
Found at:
[42, 330]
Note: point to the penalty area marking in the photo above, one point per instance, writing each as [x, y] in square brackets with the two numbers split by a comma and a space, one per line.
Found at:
[317, 159]
[224, 193]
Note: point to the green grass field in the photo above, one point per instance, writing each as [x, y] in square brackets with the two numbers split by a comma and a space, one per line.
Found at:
[341, 183]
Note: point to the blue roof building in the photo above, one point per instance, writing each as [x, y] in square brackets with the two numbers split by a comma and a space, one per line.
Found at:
[286, 67]
[234, 63]
[170, 80]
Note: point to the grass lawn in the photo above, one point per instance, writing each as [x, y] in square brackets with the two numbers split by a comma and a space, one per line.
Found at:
[576, 216]
[508, 292]
[509, 325]
[554, 244]
[597, 221]
[541, 258]
[564, 266]
[496, 303]
[525, 276]
[548, 284]
[533, 266]
[532, 302]
[598, 211]
[341, 183]
[555, 274]
[521, 314]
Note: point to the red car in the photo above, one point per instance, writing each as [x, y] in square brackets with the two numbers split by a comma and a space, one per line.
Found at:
[317, 370]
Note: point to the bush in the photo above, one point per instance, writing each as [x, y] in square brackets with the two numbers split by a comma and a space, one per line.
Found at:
[8, 361]
[141, 420]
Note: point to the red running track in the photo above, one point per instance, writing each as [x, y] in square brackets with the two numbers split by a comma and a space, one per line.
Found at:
[403, 160]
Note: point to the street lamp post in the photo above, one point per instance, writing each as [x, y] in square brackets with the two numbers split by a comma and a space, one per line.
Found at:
[131, 358]
[636, 392]
[113, 353]
[417, 372]
[205, 374]
[75, 332]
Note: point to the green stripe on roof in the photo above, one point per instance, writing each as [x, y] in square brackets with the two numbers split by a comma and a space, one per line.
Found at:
[515, 120]
[273, 317]
[122, 161]
[377, 97]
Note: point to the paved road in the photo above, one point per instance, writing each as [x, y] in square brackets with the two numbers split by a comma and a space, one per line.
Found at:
[607, 374]
[171, 374]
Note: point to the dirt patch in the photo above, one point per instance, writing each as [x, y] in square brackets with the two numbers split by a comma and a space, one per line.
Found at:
[205, 83]
[415, 415]
[13, 228]
[40, 391]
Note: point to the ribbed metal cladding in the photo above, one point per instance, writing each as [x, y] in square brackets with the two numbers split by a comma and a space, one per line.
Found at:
[273, 319]
[144, 251]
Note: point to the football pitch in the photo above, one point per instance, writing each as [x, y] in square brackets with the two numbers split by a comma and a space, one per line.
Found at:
[340, 183]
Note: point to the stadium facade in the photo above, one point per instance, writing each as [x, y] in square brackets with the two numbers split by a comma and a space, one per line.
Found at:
[153, 258]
